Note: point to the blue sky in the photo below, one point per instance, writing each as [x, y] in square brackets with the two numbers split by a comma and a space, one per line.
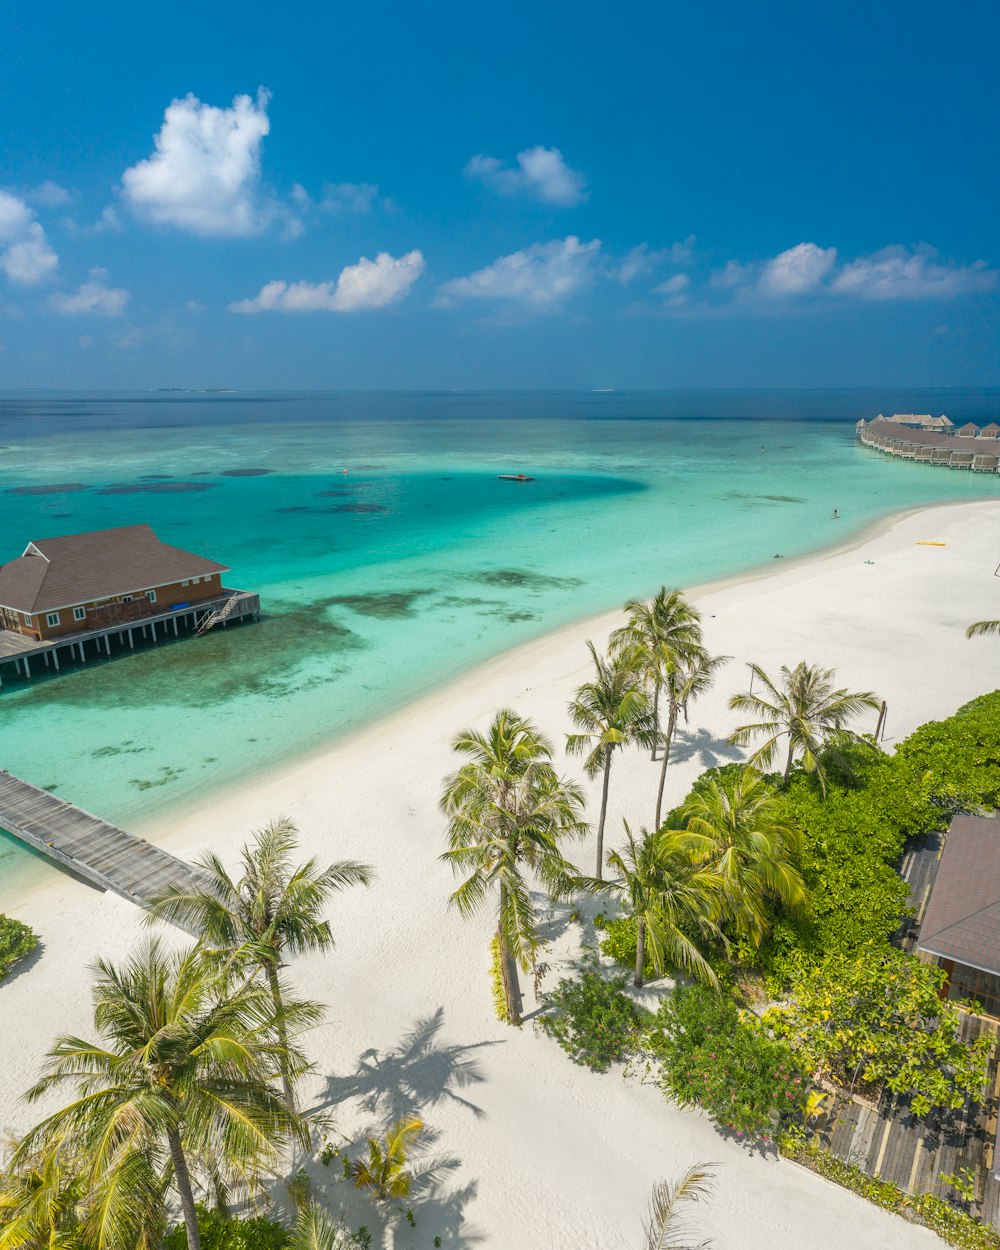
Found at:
[447, 195]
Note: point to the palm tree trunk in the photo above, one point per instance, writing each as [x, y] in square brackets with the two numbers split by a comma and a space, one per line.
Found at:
[279, 1021]
[656, 716]
[604, 812]
[667, 740]
[182, 1176]
[640, 952]
[511, 985]
[788, 761]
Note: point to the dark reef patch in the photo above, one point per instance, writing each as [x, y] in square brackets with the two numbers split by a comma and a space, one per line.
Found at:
[785, 498]
[359, 507]
[245, 472]
[126, 748]
[154, 488]
[332, 494]
[297, 507]
[514, 617]
[156, 477]
[389, 605]
[57, 488]
[522, 579]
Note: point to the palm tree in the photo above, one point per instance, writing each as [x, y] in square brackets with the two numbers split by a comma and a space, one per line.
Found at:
[43, 1202]
[667, 892]
[384, 1172]
[803, 707]
[737, 831]
[180, 1082]
[658, 634]
[272, 908]
[978, 628]
[613, 712]
[316, 1229]
[691, 677]
[664, 1223]
[507, 811]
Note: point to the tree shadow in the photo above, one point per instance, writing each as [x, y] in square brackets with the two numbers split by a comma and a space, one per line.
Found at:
[700, 744]
[407, 1079]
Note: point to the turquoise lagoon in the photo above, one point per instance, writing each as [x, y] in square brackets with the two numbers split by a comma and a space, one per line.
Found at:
[389, 557]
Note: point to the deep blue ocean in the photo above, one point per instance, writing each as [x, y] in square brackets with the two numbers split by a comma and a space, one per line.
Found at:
[388, 555]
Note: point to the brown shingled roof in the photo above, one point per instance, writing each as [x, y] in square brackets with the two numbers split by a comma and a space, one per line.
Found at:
[962, 921]
[78, 568]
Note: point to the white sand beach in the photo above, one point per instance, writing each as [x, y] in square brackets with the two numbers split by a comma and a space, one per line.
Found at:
[549, 1154]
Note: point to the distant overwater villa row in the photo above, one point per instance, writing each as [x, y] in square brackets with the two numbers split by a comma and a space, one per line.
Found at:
[934, 441]
[388, 556]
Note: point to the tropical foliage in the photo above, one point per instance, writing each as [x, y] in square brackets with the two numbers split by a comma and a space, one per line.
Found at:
[692, 677]
[666, 1226]
[177, 1086]
[804, 709]
[879, 1017]
[384, 1171]
[721, 1059]
[612, 711]
[734, 826]
[978, 628]
[16, 942]
[670, 896]
[507, 813]
[592, 1020]
[223, 1231]
[274, 907]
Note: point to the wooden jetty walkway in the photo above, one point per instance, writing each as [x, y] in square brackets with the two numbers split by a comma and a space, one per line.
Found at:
[106, 856]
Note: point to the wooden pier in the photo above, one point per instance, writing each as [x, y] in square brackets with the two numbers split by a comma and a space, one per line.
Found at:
[19, 652]
[106, 856]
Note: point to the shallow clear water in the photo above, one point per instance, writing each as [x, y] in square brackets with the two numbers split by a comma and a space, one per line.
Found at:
[380, 582]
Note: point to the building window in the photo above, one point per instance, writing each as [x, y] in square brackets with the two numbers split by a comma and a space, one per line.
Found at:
[126, 598]
[151, 596]
[52, 618]
[187, 583]
[26, 618]
[195, 581]
[79, 614]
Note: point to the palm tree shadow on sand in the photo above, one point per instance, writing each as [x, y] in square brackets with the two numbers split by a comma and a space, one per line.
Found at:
[408, 1079]
[701, 745]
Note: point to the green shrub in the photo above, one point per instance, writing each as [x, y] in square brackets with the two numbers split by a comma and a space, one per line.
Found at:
[721, 1059]
[16, 941]
[620, 944]
[254, 1232]
[592, 1020]
[878, 1016]
[496, 982]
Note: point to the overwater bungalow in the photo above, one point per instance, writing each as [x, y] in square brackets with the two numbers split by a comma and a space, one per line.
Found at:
[108, 586]
[936, 444]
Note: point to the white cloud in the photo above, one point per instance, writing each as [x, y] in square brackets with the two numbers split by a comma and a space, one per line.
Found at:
[205, 173]
[94, 297]
[674, 286]
[368, 284]
[541, 173]
[49, 194]
[26, 256]
[896, 273]
[798, 271]
[541, 276]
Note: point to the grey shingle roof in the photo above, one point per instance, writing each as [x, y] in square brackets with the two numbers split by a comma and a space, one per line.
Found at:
[78, 568]
[962, 921]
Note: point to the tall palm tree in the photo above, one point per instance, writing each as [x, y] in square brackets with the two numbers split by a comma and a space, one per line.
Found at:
[658, 634]
[978, 628]
[690, 678]
[613, 712]
[179, 1082]
[507, 812]
[736, 830]
[804, 707]
[668, 894]
[273, 908]
[665, 1222]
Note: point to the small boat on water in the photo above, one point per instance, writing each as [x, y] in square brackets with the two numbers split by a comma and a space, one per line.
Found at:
[514, 477]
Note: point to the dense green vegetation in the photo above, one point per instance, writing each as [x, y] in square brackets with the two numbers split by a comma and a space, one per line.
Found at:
[231, 1232]
[16, 942]
[592, 1020]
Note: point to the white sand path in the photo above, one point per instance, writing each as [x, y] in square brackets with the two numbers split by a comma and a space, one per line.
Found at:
[550, 1155]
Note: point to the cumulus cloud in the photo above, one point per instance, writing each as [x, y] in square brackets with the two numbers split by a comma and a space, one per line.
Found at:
[26, 256]
[368, 284]
[205, 173]
[49, 194]
[541, 173]
[541, 276]
[642, 260]
[798, 271]
[896, 273]
[94, 297]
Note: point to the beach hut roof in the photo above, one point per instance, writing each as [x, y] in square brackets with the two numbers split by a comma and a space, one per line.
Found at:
[970, 427]
[54, 573]
[993, 428]
[962, 921]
